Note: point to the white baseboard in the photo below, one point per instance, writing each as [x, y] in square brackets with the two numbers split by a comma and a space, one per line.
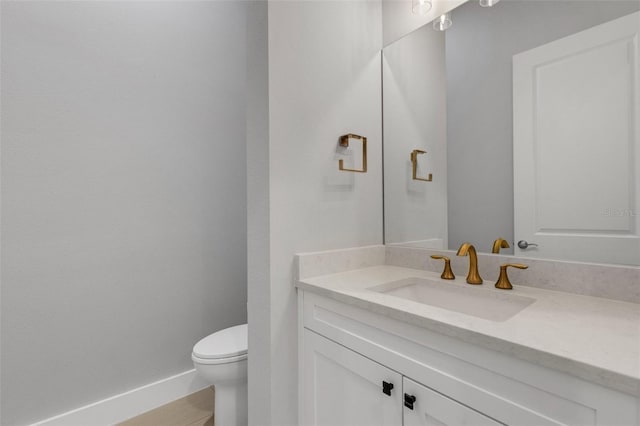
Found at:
[130, 404]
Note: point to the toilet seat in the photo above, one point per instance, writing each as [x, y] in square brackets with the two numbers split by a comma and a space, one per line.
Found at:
[217, 361]
[221, 347]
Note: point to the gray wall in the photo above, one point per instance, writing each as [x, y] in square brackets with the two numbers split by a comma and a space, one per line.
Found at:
[479, 48]
[123, 194]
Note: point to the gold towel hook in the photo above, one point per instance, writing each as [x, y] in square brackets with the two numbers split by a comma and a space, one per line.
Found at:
[414, 165]
[344, 142]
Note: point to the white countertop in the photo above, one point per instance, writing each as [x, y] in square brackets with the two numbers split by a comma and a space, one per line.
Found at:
[592, 338]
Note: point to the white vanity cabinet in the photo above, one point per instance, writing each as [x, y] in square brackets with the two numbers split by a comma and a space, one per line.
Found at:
[348, 354]
[343, 387]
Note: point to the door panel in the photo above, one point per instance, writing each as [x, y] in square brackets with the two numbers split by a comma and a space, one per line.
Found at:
[433, 409]
[576, 145]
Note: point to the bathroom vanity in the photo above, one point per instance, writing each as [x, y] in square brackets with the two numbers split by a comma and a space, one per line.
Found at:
[395, 345]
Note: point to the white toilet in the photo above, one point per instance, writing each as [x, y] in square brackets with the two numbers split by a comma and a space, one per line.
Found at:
[221, 359]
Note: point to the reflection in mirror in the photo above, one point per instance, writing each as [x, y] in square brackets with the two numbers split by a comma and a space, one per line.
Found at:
[529, 112]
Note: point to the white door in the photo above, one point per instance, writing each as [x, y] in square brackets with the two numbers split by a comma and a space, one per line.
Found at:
[576, 106]
[425, 407]
[343, 388]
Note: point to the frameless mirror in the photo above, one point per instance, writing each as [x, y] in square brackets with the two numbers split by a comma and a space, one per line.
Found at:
[526, 115]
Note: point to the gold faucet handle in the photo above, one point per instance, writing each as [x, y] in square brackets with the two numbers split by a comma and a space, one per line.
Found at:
[503, 281]
[447, 273]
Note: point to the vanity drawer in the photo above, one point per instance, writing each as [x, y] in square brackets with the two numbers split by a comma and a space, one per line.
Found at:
[504, 387]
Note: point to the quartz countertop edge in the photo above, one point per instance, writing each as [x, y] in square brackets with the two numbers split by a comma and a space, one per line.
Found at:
[613, 362]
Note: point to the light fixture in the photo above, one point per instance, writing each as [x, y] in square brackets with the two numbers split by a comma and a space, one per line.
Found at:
[488, 3]
[421, 7]
[443, 22]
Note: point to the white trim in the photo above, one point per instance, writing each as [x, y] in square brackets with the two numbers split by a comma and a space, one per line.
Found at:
[131, 403]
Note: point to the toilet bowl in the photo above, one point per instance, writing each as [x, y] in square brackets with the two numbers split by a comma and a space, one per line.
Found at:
[221, 359]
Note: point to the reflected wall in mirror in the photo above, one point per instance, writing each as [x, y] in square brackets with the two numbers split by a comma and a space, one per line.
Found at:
[557, 80]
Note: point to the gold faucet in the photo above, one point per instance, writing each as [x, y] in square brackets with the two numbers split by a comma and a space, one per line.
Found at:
[447, 273]
[498, 244]
[473, 277]
[503, 281]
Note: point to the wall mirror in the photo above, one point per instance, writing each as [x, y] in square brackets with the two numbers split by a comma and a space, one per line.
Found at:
[527, 116]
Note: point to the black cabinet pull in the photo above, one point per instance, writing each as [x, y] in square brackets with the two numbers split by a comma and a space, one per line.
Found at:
[409, 400]
[386, 388]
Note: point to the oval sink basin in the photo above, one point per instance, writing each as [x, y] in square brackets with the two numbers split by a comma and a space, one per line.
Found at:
[489, 304]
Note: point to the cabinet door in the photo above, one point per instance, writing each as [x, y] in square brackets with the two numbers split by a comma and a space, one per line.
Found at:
[426, 407]
[342, 387]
